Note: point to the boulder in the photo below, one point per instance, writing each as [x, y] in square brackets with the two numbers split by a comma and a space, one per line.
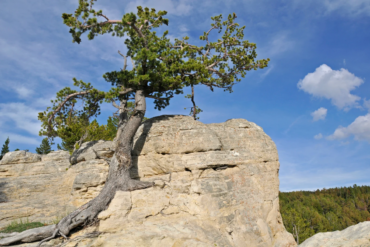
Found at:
[17, 157]
[214, 185]
[56, 156]
[353, 236]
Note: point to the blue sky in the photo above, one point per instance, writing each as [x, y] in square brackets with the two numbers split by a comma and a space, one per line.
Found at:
[313, 100]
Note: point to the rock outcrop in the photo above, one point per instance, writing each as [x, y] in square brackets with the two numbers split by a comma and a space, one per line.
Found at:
[353, 236]
[215, 185]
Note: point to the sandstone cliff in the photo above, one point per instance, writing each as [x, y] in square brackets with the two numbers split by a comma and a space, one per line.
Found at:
[215, 185]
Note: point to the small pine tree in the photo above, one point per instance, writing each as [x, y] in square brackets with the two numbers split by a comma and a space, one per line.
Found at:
[5, 148]
[45, 147]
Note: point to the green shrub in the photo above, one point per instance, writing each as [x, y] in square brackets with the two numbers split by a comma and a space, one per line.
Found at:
[20, 226]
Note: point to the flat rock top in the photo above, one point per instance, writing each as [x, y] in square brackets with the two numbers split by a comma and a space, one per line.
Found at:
[17, 157]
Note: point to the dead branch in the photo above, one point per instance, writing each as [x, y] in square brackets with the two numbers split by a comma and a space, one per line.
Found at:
[125, 63]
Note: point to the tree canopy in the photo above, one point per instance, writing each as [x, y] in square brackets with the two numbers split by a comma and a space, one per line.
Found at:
[45, 147]
[161, 68]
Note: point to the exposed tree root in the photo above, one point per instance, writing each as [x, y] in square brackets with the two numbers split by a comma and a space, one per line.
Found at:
[30, 235]
[49, 238]
[118, 180]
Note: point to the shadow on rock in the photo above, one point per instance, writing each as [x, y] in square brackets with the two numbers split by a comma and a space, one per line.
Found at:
[84, 147]
[139, 144]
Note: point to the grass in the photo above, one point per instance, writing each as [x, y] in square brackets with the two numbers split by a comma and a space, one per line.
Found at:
[20, 226]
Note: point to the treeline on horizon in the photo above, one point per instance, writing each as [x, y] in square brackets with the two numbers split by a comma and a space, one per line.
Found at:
[306, 213]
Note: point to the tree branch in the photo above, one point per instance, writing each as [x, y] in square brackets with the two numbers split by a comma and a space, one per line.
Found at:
[125, 63]
[103, 23]
[157, 98]
[115, 104]
[140, 33]
[209, 46]
[141, 27]
[126, 91]
[71, 96]
[133, 64]
[104, 17]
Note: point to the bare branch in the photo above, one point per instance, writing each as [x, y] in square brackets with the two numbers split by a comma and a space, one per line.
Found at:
[153, 22]
[209, 46]
[140, 34]
[125, 63]
[133, 64]
[104, 16]
[71, 96]
[146, 21]
[126, 91]
[115, 104]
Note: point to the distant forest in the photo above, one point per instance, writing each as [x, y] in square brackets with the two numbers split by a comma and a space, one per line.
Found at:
[306, 213]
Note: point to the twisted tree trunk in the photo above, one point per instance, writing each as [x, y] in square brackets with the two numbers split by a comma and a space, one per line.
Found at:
[118, 179]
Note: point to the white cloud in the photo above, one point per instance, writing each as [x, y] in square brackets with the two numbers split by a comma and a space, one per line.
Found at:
[319, 114]
[335, 85]
[367, 104]
[278, 45]
[360, 129]
[318, 136]
[352, 7]
[15, 138]
[21, 116]
[13, 86]
[23, 91]
[270, 68]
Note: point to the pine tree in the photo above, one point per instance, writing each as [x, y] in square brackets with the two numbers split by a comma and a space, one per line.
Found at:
[5, 148]
[45, 147]
[161, 69]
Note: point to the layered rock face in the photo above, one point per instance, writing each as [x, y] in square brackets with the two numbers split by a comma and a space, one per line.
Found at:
[215, 185]
[353, 236]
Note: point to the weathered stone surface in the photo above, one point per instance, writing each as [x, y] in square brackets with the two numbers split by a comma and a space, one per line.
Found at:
[56, 156]
[46, 191]
[215, 185]
[17, 157]
[353, 236]
[93, 150]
